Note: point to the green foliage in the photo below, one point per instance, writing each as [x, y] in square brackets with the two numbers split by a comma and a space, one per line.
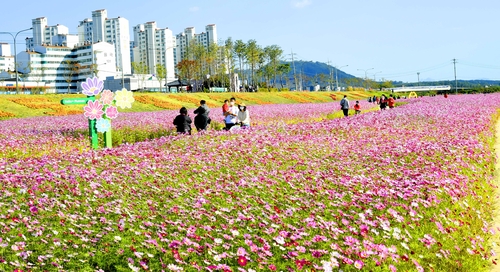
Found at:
[269, 90]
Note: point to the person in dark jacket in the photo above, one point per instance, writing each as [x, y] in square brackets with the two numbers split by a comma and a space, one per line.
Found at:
[201, 120]
[183, 122]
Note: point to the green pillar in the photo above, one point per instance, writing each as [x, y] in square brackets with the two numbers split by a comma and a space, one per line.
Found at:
[108, 141]
[93, 135]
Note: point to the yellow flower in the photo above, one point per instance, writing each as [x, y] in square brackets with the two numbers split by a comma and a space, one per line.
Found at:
[124, 98]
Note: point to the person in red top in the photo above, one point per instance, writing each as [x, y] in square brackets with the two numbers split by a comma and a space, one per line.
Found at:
[225, 107]
[357, 108]
[391, 102]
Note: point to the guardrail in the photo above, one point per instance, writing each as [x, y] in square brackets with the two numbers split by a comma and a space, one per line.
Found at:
[421, 88]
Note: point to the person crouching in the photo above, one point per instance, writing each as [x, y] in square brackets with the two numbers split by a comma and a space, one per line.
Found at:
[183, 122]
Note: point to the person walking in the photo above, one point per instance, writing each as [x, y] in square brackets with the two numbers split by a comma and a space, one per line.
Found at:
[344, 105]
[243, 116]
[383, 102]
[391, 102]
[183, 122]
[201, 120]
[231, 115]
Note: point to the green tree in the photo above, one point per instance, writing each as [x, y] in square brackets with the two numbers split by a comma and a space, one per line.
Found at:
[161, 73]
[254, 56]
[240, 52]
[284, 69]
[228, 56]
[274, 54]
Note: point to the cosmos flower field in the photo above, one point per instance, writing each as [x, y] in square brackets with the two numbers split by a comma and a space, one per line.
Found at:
[406, 189]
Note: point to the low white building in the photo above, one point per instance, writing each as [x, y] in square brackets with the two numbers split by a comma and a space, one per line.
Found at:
[61, 69]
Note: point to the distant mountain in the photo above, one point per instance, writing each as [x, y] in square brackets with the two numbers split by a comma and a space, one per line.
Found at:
[312, 73]
[313, 69]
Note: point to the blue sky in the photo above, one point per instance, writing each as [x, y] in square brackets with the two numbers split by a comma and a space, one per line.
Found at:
[397, 38]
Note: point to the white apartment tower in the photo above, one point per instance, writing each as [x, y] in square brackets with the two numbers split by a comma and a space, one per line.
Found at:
[184, 39]
[112, 30]
[43, 33]
[6, 59]
[154, 46]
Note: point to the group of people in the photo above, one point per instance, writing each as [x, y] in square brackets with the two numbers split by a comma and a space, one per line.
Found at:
[201, 121]
[344, 106]
[233, 116]
[383, 102]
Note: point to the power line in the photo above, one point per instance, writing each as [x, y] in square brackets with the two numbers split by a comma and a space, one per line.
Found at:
[486, 66]
[455, 70]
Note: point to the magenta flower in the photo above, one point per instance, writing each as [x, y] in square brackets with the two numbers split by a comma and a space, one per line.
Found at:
[111, 112]
[33, 209]
[92, 86]
[93, 110]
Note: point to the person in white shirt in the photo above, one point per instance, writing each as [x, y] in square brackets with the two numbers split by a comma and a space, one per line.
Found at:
[231, 116]
[243, 116]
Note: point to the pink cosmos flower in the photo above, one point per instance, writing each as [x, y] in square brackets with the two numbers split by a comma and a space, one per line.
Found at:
[93, 110]
[358, 264]
[107, 97]
[272, 267]
[92, 86]
[241, 251]
[112, 112]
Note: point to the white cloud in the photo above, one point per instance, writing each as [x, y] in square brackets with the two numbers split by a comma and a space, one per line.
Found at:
[194, 9]
[301, 3]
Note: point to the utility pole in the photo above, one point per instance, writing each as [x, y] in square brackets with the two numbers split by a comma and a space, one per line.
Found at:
[294, 75]
[331, 75]
[337, 75]
[418, 78]
[455, 69]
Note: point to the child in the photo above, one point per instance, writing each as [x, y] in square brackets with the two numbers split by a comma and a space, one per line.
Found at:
[225, 107]
[357, 108]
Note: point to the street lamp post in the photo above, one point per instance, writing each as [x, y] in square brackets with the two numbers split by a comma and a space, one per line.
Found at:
[15, 54]
[374, 75]
[366, 71]
[337, 75]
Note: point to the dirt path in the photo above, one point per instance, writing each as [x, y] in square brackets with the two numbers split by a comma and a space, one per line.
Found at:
[496, 224]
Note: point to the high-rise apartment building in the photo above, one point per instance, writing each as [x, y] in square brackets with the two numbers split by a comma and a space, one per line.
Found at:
[112, 30]
[186, 38]
[43, 33]
[154, 46]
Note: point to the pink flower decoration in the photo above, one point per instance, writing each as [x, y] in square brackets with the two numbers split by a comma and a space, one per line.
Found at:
[112, 112]
[107, 97]
[93, 110]
[92, 86]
